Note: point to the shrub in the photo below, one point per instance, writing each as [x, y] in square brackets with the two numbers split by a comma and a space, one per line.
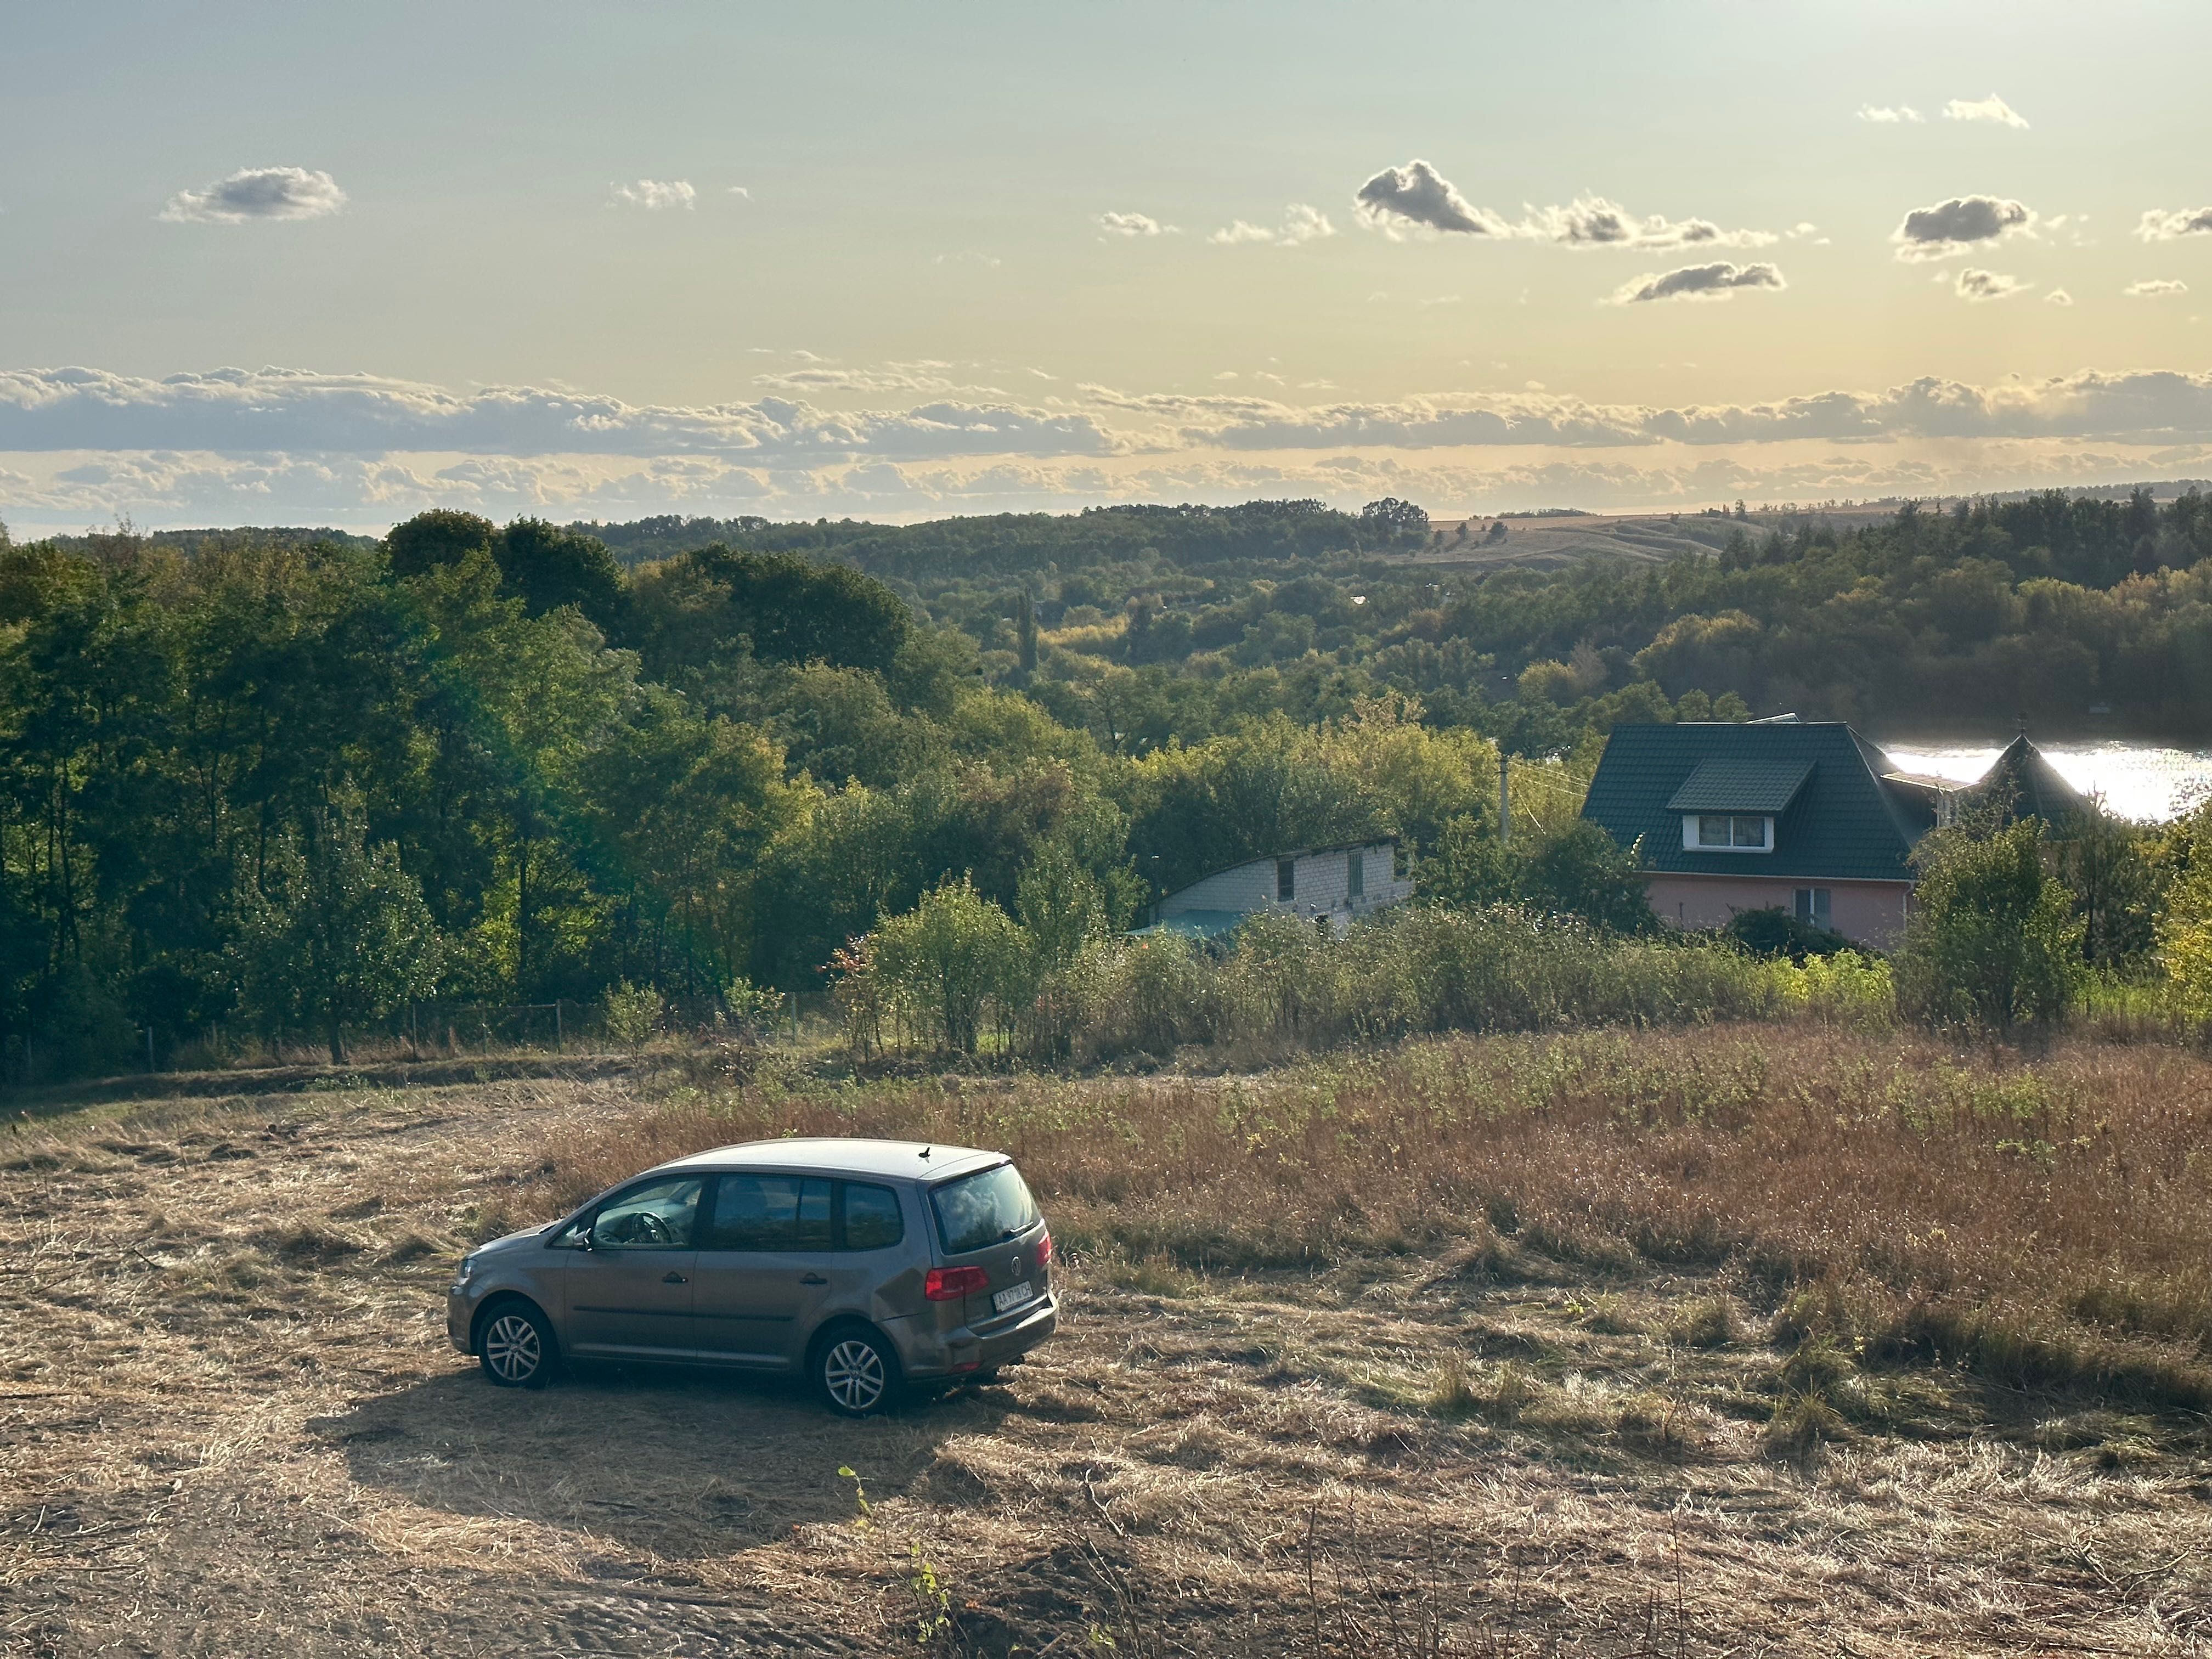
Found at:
[1992, 942]
[1774, 932]
[952, 962]
[633, 1013]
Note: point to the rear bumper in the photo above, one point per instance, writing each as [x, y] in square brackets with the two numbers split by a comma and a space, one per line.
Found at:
[925, 1353]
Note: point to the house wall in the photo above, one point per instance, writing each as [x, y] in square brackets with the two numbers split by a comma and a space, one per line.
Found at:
[1864, 912]
[1322, 881]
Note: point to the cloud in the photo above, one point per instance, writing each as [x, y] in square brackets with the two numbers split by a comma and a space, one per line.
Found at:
[1890, 116]
[738, 190]
[1713, 282]
[2058, 296]
[1991, 108]
[2154, 287]
[278, 446]
[654, 194]
[1530, 449]
[1416, 194]
[1978, 287]
[1134, 224]
[2133, 406]
[1301, 222]
[251, 411]
[1593, 222]
[916, 377]
[2159, 226]
[258, 193]
[1954, 227]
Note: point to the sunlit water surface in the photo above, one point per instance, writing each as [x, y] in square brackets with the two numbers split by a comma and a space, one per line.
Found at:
[2136, 780]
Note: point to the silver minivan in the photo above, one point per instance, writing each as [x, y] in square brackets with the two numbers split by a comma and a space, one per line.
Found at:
[865, 1265]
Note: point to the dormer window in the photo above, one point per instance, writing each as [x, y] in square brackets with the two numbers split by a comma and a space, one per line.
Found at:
[1727, 832]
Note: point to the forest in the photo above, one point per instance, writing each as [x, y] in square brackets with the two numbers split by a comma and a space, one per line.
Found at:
[264, 783]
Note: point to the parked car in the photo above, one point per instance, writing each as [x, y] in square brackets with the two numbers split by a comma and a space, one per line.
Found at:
[869, 1266]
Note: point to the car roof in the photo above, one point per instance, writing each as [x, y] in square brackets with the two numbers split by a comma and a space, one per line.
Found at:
[843, 1155]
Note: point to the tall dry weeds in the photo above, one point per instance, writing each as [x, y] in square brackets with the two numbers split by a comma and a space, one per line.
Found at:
[2040, 1221]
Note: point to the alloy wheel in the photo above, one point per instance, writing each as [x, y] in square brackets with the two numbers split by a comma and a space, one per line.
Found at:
[852, 1372]
[512, 1348]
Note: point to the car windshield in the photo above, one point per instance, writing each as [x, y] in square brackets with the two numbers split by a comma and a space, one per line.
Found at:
[983, 1208]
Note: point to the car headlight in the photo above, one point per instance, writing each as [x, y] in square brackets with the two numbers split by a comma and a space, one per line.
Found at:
[466, 1271]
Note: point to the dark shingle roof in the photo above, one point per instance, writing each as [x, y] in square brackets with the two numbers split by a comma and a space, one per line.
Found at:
[2021, 784]
[1739, 783]
[1840, 823]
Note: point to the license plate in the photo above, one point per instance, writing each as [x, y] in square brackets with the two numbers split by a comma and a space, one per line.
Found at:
[1013, 1296]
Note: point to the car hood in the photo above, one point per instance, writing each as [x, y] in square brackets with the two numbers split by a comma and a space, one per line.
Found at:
[512, 1241]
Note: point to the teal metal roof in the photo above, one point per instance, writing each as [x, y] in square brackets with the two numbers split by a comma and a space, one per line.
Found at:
[1195, 924]
[1841, 821]
[1738, 783]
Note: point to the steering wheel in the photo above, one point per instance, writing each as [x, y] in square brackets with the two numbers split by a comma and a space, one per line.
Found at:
[638, 1227]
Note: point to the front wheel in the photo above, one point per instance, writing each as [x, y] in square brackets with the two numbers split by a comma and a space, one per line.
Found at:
[516, 1347]
[855, 1372]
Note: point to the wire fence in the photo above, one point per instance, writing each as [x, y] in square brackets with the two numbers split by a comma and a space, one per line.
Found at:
[419, 1030]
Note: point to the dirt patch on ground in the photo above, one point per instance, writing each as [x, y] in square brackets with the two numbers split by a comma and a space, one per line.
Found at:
[229, 1424]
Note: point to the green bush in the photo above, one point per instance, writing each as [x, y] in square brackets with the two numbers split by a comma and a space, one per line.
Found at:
[1992, 942]
[1282, 981]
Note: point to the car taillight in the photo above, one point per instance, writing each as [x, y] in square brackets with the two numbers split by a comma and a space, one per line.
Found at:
[1044, 1251]
[950, 1284]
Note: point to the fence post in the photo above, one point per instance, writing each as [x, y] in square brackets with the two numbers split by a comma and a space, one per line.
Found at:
[557, 1039]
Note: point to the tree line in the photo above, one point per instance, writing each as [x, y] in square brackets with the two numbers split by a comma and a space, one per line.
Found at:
[258, 783]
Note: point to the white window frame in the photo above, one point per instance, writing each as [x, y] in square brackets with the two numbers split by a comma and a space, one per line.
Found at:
[1693, 842]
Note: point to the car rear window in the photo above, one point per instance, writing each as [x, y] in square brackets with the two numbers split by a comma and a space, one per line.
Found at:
[983, 1208]
[872, 1217]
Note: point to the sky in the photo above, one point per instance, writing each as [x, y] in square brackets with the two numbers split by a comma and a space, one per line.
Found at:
[322, 264]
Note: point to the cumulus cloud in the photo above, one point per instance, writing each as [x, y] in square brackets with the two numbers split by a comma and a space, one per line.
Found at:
[1713, 282]
[915, 377]
[275, 446]
[258, 410]
[653, 195]
[2058, 296]
[2154, 287]
[258, 193]
[2139, 406]
[1418, 194]
[1301, 222]
[1976, 287]
[1891, 115]
[1417, 198]
[1134, 224]
[1954, 227]
[1991, 108]
[2159, 226]
[1593, 222]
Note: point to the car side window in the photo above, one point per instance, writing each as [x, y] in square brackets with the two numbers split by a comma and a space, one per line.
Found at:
[769, 1213]
[873, 1221]
[657, 1215]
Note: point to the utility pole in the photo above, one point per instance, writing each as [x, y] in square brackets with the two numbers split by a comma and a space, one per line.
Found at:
[1504, 798]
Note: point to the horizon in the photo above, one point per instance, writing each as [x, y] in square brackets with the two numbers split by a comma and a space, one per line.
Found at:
[598, 265]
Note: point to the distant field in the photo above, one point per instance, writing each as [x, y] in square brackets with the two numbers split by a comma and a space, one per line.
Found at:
[1602, 1344]
[1549, 543]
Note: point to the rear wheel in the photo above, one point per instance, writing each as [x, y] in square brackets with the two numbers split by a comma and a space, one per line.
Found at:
[515, 1345]
[855, 1372]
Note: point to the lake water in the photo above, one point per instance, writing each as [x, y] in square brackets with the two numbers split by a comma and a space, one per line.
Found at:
[2137, 780]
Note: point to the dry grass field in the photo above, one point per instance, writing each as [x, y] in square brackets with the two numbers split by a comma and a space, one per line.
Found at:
[1733, 1341]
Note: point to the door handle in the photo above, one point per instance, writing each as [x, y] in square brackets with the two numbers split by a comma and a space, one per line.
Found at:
[812, 1278]
[671, 1278]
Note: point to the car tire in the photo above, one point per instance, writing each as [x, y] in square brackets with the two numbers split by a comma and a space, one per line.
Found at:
[515, 1345]
[855, 1371]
